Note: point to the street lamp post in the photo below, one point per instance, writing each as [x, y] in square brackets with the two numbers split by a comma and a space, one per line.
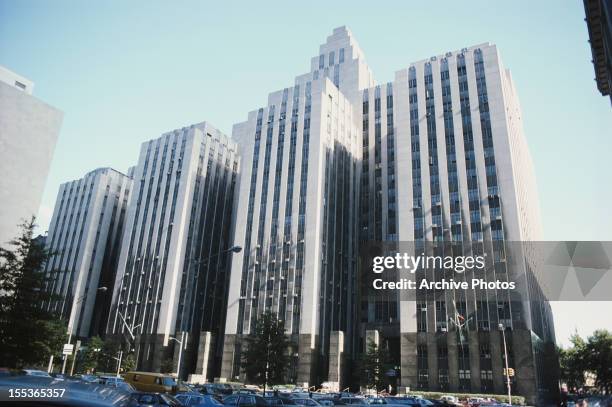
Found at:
[233, 249]
[501, 328]
[131, 332]
[180, 355]
[77, 302]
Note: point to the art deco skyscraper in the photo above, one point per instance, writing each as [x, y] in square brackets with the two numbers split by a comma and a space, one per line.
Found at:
[436, 155]
[297, 211]
[84, 239]
[172, 279]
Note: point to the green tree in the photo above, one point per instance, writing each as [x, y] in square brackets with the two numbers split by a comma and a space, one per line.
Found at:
[107, 361]
[91, 355]
[128, 363]
[598, 354]
[375, 362]
[167, 366]
[265, 359]
[593, 355]
[29, 334]
[571, 363]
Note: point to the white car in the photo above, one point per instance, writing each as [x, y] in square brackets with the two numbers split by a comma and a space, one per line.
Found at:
[33, 372]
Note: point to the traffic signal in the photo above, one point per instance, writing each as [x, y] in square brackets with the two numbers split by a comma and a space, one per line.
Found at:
[510, 372]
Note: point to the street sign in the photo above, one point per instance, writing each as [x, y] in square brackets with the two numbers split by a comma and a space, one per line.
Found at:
[68, 348]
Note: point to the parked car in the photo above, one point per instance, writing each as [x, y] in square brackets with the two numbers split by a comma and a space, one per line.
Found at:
[354, 400]
[119, 384]
[197, 400]
[330, 401]
[110, 379]
[245, 400]
[152, 382]
[88, 378]
[280, 401]
[308, 402]
[68, 392]
[153, 400]
[450, 400]
[34, 372]
[223, 388]
[407, 401]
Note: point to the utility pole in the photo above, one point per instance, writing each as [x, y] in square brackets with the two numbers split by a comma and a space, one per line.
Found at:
[180, 355]
[501, 328]
[119, 360]
[74, 304]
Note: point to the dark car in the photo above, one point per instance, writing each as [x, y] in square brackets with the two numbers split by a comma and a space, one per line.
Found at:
[153, 400]
[330, 401]
[61, 392]
[197, 399]
[245, 400]
[405, 401]
[354, 400]
[280, 401]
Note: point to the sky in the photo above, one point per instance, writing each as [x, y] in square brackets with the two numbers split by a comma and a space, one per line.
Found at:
[125, 72]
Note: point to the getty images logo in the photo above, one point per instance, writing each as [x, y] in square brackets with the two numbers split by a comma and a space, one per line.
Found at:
[410, 263]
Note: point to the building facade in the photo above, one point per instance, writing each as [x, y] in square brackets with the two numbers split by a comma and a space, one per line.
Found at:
[171, 282]
[28, 132]
[599, 23]
[436, 155]
[84, 239]
[296, 217]
[472, 186]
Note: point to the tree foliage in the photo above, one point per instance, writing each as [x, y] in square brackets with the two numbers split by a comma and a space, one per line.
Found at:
[375, 362]
[29, 334]
[91, 355]
[167, 365]
[266, 352]
[593, 355]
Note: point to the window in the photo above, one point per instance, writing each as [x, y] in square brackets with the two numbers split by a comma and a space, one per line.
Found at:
[421, 317]
[20, 85]
[341, 56]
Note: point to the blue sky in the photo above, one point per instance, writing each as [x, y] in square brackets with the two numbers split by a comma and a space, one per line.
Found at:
[124, 72]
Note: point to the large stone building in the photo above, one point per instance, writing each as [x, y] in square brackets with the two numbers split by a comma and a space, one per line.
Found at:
[28, 132]
[599, 23]
[84, 239]
[171, 282]
[436, 155]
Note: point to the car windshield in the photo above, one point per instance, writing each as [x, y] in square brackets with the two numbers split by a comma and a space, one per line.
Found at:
[168, 381]
[212, 400]
[169, 400]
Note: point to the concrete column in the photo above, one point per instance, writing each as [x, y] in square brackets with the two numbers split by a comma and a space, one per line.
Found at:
[336, 358]
[408, 352]
[432, 360]
[474, 360]
[158, 352]
[497, 361]
[522, 346]
[229, 353]
[453, 363]
[307, 358]
[205, 356]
